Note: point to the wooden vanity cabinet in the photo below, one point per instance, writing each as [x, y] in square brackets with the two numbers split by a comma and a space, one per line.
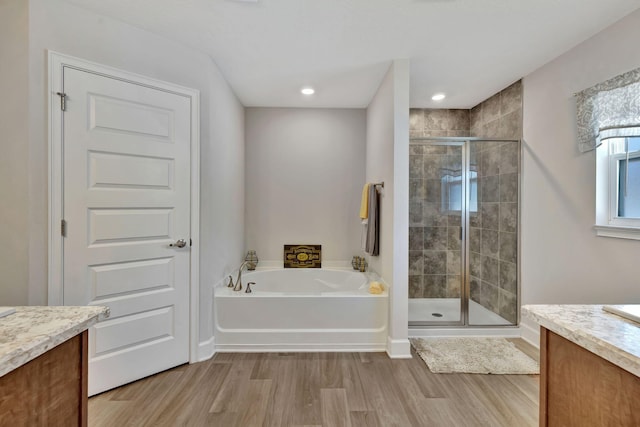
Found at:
[579, 388]
[50, 390]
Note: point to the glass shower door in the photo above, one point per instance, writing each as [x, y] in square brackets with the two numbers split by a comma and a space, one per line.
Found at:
[463, 232]
[436, 254]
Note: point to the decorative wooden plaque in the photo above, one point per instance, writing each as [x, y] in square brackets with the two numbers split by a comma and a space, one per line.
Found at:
[302, 256]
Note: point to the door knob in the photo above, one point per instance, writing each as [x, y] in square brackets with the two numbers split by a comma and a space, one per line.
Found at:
[179, 244]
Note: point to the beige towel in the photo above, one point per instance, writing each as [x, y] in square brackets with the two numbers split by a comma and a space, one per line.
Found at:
[364, 203]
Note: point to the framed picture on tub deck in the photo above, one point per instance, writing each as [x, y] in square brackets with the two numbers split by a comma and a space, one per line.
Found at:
[302, 256]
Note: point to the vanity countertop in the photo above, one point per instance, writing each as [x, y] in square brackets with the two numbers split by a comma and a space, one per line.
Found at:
[607, 335]
[32, 331]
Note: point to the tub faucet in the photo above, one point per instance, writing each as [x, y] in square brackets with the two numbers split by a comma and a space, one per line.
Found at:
[248, 291]
[238, 286]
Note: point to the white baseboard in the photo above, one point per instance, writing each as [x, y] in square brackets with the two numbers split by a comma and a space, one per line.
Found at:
[530, 332]
[206, 349]
[398, 349]
[297, 348]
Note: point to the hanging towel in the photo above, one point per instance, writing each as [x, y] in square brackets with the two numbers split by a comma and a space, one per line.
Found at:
[373, 227]
[363, 234]
[364, 203]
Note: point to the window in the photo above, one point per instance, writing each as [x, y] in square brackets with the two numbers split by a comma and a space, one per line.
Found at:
[618, 188]
[451, 192]
[628, 190]
[608, 121]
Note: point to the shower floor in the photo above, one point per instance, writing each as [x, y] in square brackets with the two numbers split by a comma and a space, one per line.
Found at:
[448, 310]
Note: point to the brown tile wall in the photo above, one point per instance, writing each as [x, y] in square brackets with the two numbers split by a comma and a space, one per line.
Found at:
[499, 116]
[434, 234]
[425, 122]
[493, 228]
[493, 235]
[435, 262]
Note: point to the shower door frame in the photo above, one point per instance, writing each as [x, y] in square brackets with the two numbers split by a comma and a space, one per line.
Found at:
[465, 290]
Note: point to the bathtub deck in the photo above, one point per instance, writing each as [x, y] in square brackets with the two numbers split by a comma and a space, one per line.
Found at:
[319, 389]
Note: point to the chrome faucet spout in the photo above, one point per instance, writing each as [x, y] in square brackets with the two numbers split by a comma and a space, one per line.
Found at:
[238, 286]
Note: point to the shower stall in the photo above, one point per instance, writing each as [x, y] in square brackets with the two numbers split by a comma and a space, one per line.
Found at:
[463, 232]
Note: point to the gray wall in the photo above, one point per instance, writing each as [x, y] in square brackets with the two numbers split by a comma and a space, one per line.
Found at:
[14, 134]
[304, 176]
[387, 155]
[563, 260]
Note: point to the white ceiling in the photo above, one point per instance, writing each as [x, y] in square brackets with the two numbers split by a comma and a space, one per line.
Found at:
[469, 49]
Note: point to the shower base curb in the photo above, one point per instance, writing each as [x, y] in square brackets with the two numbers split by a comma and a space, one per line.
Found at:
[465, 331]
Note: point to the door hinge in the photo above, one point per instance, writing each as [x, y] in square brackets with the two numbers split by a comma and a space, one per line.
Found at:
[63, 228]
[63, 100]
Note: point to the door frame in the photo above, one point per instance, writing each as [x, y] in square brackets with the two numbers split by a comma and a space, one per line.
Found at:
[56, 64]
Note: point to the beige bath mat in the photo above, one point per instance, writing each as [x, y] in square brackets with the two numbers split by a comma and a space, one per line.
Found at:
[473, 356]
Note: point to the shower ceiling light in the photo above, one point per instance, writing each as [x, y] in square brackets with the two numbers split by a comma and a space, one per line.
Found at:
[438, 97]
[308, 91]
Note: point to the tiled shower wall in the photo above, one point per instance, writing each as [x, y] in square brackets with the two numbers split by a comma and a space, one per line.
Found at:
[438, 122]
[493, 228]
[499, 116]
[493, 233]
[434, 244]
[434, 233]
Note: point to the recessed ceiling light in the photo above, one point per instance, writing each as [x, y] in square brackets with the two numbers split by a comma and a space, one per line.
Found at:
[308, 91]
[438, 97]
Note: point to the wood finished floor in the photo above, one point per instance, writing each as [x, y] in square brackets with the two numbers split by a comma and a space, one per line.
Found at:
[319, 389]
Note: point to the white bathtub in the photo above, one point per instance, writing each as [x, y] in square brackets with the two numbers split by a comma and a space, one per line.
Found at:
[301, 310]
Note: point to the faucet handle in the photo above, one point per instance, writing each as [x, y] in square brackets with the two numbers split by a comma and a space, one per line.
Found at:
[230, 285]
[248, 291]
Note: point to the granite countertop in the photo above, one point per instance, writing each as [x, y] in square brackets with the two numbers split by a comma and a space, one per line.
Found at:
[32, 331]
[607, 335]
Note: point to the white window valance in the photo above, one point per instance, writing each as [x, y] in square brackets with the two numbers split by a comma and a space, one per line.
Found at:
[609, 109]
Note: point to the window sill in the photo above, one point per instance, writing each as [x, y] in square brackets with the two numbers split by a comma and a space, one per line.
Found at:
[618, 232]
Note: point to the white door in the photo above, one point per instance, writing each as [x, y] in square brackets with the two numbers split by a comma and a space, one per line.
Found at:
[126, 199]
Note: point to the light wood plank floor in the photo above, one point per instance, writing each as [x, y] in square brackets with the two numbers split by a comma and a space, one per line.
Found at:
[319, 389]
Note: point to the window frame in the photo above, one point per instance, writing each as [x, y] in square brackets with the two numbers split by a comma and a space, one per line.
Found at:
[608, 223]
[614, 190]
